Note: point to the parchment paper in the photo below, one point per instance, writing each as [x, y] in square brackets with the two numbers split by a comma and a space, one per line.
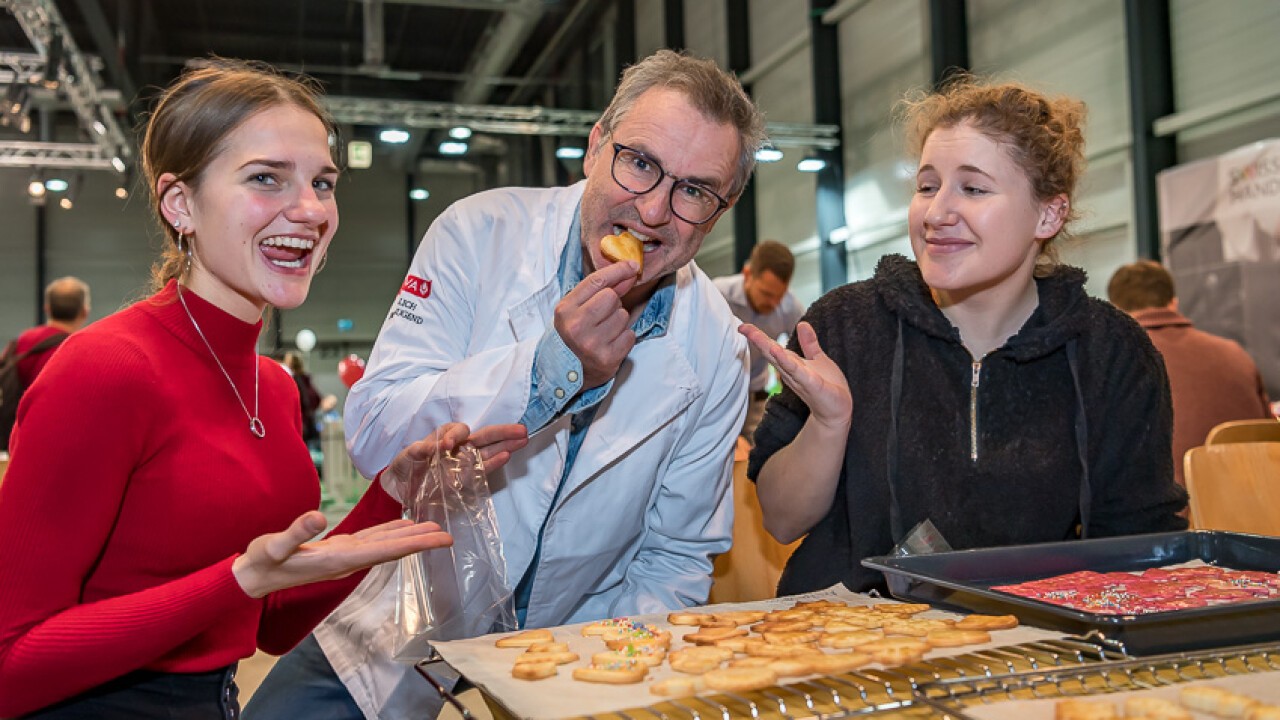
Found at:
[489, 667]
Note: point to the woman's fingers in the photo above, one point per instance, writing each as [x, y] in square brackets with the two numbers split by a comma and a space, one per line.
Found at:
[279, 546]
[396, 528]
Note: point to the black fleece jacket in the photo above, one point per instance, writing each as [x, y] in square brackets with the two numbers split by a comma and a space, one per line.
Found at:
[1073, 427]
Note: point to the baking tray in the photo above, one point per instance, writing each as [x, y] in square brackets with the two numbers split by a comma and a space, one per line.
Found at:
[962, 580]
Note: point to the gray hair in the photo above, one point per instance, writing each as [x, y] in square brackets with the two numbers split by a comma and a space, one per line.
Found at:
[714, 92]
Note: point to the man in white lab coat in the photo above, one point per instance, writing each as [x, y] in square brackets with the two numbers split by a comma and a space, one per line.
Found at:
[632, 383]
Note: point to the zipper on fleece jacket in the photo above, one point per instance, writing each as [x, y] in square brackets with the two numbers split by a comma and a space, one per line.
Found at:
[973, 410]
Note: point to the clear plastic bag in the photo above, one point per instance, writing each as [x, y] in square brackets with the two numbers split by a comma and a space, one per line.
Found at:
[924, 538]
[459, 591]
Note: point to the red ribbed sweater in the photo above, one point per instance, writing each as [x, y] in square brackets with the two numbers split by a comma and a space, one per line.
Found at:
[133, 485]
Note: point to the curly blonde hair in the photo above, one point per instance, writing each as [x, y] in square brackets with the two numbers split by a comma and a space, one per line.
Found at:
[1044, 135]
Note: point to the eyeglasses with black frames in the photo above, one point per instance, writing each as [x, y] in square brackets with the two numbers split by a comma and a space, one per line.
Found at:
[637, 173]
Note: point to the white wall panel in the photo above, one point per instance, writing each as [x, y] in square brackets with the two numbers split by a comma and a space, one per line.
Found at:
[774, 22]
[706, 30]
[883, 55]
[1222, 49]
[1223, 53]
[650, 23]
[18, 293]
[1074, 48]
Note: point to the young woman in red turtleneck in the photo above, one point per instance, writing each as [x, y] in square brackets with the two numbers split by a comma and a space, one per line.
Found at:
[155, 516]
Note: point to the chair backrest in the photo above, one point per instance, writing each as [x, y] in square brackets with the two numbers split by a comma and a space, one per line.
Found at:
[1238, 431]
[1235, 487]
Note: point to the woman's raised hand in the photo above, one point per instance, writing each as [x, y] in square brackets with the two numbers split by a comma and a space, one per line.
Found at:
[816, 378]
[276, 561]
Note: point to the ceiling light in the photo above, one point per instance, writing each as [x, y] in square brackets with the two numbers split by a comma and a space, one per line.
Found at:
[55, 184]
[394, 136]
[453, 148]
[460, 133]
[570, 153]
[69, 199]
[118, 164]
[122, 189]
[811, 164]
[768, 154]
[35, 188]
[419, 194]
[99, 128]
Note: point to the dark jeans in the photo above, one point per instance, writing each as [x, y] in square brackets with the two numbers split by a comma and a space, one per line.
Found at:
[149, 695]
[303, 685]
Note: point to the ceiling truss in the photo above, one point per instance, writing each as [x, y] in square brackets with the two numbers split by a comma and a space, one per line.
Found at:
[526, 120]
[78, 81]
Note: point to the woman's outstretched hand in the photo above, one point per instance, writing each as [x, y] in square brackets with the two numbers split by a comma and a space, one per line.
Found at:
[816, 378]
[276, 561]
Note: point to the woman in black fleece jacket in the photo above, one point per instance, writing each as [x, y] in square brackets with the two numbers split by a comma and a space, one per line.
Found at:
[978, 387]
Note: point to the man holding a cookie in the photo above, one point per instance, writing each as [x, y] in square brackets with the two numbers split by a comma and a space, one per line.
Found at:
[630, 377]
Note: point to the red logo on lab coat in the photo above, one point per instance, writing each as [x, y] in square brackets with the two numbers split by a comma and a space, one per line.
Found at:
[417, 286]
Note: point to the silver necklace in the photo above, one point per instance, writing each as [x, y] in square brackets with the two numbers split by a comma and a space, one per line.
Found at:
[255, 424]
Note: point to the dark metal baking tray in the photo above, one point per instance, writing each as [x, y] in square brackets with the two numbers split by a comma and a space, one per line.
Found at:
[962, 580]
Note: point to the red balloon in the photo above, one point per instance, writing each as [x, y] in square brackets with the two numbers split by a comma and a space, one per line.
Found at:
[350, 369]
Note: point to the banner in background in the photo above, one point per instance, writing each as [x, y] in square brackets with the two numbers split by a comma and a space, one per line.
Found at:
[1220, 238]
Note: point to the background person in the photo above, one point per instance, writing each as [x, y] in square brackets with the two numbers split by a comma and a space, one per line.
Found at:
[759, 295]
[1213, 379]
[308, 396]
[66, 305]
[155, 518]
[633, 388]
[978, 387]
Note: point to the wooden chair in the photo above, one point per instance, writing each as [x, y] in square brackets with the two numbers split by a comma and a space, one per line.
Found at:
[1244, 431]
[1235, 487]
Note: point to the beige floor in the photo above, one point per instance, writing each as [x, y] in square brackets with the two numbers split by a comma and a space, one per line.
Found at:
[250, 673]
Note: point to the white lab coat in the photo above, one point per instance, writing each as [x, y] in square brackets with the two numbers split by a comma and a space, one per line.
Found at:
[648, 502]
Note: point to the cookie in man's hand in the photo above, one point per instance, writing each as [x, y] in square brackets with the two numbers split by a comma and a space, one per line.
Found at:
[622, 248]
